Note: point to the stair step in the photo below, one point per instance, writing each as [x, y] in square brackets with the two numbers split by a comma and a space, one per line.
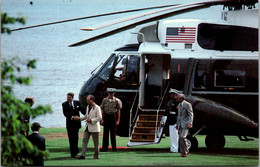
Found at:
[143, 136]
[147, 123]
[141, 140]
[149, 118]
[148, 134]
[149, 115]
[144, 130]
[148, 128]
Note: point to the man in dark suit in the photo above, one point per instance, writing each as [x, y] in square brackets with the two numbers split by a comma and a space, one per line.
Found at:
[72, 108]
[38, 141]
[25, 119]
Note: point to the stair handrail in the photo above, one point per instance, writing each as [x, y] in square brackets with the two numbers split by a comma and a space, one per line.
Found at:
[131, 110]
[159, 109]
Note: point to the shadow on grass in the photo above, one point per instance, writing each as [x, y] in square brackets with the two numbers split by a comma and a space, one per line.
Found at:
[60, 158]
[237, 152]
[227, 151]
[199, 151]
[58, 149]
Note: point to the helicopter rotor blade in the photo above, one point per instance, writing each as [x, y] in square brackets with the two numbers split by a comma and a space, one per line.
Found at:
[128, 19]
[132, 25]
[132, 18]
[186, 8]
[93, 16]
[117, 22]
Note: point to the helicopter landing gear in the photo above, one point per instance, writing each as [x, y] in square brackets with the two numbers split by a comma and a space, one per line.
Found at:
[193, 142]
[215, 141]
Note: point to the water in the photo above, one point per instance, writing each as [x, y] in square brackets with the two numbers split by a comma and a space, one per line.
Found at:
[62, 69]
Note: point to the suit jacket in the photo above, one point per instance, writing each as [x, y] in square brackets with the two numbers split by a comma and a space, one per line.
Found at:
[95, 115]
[38, 141]
[185, 115]
[68, 112]
[172, 112]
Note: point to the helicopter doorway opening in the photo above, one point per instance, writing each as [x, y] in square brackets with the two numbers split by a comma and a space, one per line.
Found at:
[154, 76]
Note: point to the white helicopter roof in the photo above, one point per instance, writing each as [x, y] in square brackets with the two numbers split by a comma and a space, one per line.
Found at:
[152, 48]
[178, 37]
[246, 17]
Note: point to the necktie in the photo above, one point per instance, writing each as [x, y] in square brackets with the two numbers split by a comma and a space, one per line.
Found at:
[71, 105]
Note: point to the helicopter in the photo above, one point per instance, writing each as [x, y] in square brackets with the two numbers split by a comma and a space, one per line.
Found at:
[203, 59]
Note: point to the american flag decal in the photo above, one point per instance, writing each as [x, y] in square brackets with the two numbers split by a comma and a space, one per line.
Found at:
[180, 34]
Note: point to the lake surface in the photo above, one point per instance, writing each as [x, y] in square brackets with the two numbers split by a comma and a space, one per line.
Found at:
[61, 69]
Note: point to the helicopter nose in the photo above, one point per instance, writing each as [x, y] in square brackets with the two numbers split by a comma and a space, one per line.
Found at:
[82, 99]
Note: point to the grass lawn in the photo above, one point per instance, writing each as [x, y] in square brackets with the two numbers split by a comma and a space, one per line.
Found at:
[235, 153]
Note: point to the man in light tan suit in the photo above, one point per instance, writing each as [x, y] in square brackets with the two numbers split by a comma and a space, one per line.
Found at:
[184, 123]
[93, 117]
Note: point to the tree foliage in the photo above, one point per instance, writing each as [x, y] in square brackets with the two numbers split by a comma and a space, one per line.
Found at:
[5, 19]
[16, 150]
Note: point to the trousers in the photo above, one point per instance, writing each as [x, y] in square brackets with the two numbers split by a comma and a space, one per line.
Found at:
[109, 126]
[73, 134]
[174, 138]
[86, 136]
[183, 141]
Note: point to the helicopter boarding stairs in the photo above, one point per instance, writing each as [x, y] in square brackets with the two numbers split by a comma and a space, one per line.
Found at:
[147, 126]
[148, 129]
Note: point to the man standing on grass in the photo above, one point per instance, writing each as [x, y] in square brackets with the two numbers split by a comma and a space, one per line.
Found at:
[72, 108]
[92, 128]
[172, 114]
[184, 123]
[110, 107]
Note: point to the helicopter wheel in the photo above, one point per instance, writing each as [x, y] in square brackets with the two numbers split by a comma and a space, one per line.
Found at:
[194, 143]
[215, 141]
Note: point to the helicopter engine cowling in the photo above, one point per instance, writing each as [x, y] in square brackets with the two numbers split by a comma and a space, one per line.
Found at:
[220, 118]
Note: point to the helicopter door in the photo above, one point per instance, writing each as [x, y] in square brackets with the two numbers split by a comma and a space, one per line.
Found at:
[157, 73]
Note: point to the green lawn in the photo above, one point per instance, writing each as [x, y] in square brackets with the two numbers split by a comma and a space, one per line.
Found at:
[235, 153]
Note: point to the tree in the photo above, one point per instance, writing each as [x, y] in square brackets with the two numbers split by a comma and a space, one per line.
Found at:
[5, 19]
[16, 150]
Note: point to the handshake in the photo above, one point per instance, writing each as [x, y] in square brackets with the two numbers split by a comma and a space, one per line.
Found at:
[75, 117]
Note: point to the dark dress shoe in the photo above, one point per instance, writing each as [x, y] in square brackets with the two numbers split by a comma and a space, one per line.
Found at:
[74, 156]
[81, 157]
[114, 150]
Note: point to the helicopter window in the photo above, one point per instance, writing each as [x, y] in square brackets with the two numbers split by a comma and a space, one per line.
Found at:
[227, 37]
[132, 68]
[120, 67]
[106, 70]
[126, 68]
[230, 78]
[200, 77]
